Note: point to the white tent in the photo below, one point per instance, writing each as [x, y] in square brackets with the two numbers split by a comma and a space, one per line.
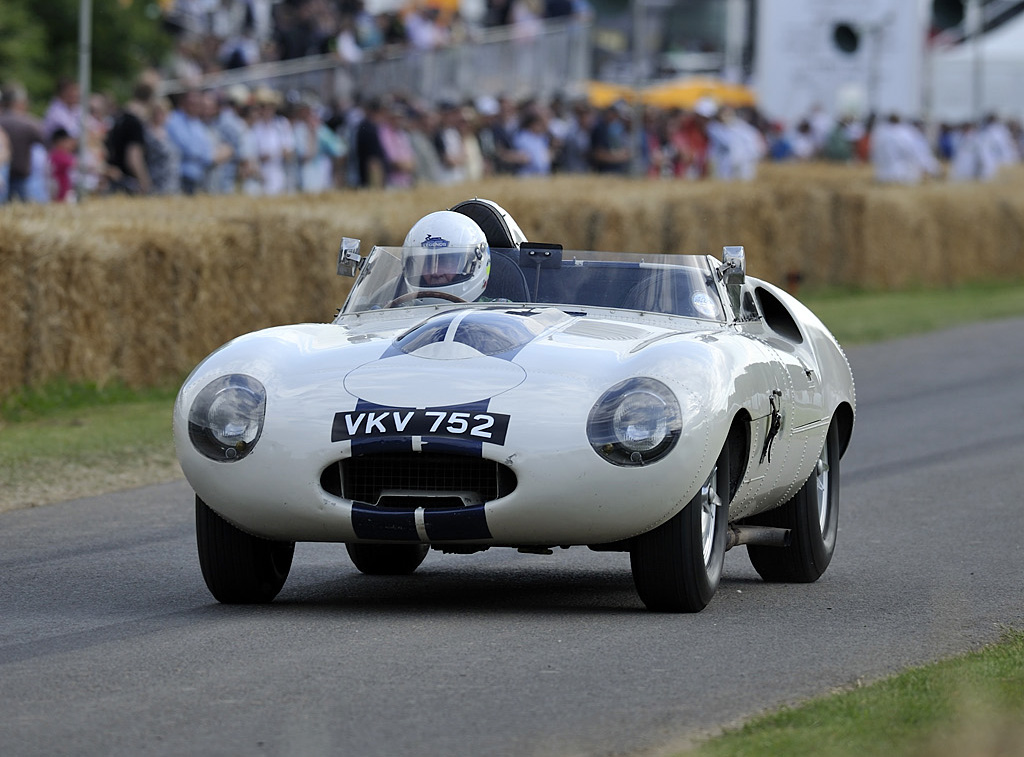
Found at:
[977, 77]
[844, 57]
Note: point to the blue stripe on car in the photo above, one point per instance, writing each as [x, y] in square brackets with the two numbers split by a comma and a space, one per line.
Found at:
[450, 524]
[456, 524]
[390, 525]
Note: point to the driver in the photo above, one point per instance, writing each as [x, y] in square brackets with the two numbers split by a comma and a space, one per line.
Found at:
[446, 252]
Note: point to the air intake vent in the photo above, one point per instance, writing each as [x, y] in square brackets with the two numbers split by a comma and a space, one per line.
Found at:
[605, 330]
[401, 480]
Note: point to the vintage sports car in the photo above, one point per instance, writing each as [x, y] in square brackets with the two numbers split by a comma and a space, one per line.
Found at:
[478, 390]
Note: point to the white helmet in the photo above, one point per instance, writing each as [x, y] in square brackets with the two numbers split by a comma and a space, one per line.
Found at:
[447, 252]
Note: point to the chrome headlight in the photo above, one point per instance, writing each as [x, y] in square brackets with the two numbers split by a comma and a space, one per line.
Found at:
[226, 418]
[635, 422]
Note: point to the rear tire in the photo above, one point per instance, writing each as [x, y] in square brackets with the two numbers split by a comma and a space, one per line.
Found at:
[812, 516]
[677, 567]
[387, 559]
[239, 568]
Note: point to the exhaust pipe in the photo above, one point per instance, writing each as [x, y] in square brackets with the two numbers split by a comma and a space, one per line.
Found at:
[761, 536]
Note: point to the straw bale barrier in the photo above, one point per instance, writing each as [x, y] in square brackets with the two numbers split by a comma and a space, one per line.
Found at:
[138, 290]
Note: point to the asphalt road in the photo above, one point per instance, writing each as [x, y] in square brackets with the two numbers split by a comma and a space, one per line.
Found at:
[111, 645]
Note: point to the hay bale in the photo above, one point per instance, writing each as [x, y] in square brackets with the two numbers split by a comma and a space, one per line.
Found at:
[15, 252]
[140, 289]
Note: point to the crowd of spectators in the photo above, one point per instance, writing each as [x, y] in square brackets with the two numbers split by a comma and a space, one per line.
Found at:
[217, 35]
[261, 141]
[264, 142]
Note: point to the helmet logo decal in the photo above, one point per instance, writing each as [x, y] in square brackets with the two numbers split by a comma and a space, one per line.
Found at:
[434, 243]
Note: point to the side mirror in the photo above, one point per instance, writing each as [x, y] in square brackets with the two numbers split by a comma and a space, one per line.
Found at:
[349, 260]
[734, 266]
[733, 273]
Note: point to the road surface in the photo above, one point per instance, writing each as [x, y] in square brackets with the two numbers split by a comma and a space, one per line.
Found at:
[111, 645]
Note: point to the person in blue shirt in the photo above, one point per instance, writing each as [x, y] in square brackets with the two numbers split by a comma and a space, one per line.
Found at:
[190, 135]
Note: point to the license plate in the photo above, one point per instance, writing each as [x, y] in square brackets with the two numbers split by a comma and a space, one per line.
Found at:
[452, 423]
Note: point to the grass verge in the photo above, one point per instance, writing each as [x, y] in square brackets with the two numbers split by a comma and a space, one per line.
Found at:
[859, 317]
[970, 706]
[64, 442]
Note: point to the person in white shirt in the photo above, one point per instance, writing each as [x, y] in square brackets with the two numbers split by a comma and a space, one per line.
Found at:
[275, 143]
[926, 159]
[748, 148]
[998, 142]
[821, 123]
[736, 147]
[802, 141]
[970, 162]
[899, 154]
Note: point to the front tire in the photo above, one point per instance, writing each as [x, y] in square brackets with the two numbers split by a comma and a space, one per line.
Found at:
[677, 567]
[387, 559]
[812, 516]
[239, 568]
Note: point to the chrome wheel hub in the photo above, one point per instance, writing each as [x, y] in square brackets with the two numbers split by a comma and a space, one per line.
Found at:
[821, 472]
[710, 501]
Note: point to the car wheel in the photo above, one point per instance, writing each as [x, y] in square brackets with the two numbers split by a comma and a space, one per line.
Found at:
[387, 559]
[812, 516]
[239, 568]
[677, 566]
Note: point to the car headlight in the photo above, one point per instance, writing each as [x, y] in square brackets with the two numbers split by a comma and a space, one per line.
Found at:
[226, 418]
[635, 422]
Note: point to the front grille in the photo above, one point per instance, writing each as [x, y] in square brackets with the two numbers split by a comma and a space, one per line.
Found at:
[418, 479]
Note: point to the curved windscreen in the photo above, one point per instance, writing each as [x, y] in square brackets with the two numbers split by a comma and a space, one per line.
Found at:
[488, 332]
[671, 284]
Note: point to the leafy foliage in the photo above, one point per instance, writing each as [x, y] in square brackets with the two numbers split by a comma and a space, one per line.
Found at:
[22, 46]
[39, 43]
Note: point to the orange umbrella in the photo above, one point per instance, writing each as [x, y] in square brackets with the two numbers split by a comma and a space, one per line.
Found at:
[687, 92]
[677, 93]
[601, 94]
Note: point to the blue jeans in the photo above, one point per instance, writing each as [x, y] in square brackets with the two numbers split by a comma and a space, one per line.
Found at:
[18, 189]
[190, 186]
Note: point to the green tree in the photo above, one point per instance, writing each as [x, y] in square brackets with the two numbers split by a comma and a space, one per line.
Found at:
[22, 47]
[127, 36]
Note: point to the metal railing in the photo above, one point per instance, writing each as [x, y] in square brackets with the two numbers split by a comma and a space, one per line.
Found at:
[555, 60]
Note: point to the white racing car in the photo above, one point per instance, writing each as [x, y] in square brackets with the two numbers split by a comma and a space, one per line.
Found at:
[478, 390]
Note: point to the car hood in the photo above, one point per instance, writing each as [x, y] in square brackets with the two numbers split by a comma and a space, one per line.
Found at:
[487, 349]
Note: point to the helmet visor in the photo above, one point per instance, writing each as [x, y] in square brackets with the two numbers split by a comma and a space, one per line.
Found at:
[427, 269]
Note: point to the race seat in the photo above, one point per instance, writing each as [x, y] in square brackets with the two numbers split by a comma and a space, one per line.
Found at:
[489, 219]
[507, 280]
